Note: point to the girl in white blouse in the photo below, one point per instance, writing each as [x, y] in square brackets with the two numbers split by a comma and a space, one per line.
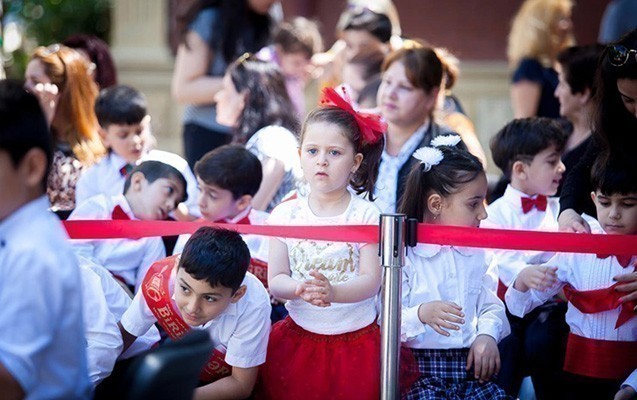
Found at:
[452, 318]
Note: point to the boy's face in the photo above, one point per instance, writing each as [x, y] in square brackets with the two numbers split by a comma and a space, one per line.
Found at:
[154, 201]
[198, 302]
[217, 204]
[293, 65]
[617, 213]
[544, 173]
[127, 141]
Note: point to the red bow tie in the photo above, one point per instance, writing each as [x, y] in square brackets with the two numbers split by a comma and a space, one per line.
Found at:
[125, 170]
[624, 261]
[539, 202]
[119, 214]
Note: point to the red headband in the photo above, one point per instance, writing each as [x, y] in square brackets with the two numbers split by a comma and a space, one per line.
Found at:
[371, 125]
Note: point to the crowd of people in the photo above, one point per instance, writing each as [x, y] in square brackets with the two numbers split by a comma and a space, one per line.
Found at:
[293, 318]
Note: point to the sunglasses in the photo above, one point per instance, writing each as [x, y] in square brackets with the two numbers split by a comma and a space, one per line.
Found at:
[619, 55]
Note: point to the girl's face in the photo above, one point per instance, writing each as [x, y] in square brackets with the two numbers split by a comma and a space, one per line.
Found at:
[230, 102]
[627, 89]
[327, 157]
[400, 102]
[35, 74]
[462, 208]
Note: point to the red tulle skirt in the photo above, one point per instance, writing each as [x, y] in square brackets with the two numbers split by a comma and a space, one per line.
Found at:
[306, 365]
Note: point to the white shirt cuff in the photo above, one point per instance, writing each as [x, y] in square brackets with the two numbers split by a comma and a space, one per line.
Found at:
[412, 326]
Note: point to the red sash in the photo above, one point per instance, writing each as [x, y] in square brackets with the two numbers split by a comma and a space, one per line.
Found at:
[157, 295]
[600, 300]
[603, 359]
[502, 289]
[259, 269]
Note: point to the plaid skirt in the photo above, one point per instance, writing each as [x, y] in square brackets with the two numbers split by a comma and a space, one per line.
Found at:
[443, 376]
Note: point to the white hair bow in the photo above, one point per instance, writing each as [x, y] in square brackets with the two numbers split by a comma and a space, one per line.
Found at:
[446, 140]
[428, 157]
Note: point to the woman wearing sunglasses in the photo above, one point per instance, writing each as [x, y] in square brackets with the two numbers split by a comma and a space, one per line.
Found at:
[614, 136]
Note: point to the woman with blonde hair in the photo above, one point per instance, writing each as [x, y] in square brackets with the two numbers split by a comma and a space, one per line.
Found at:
[540, 30]
[59, 76]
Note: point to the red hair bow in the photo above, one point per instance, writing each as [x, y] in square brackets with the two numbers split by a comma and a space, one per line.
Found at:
[371, 125]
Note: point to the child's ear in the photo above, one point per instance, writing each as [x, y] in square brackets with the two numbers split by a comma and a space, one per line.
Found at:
[358, 159]
[239, 294]
[434, 204]
[33, 167]
[519, 170]
[243, 202]
[104, 136]
[594, 197]
[137, 181]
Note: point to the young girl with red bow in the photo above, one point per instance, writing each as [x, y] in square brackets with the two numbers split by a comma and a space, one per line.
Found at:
[329, 346]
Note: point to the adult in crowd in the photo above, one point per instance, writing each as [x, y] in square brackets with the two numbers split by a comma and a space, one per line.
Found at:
[614, 127]
[575, 90]
[620, 17]
[59, 77]
[254, 101]
[214, 33]
[540, 30]
[98, 54]
[407, 98]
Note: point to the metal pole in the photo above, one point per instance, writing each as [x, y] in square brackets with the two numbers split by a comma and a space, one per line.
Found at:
[392, 253]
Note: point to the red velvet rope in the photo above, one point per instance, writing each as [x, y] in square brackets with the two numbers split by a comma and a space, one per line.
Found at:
[434, 234]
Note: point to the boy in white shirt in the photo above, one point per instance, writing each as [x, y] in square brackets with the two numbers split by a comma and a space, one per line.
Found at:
[152, 190]
[42, 350]
[208, 287]
[125, 131]
[528, 152]
[602, 345]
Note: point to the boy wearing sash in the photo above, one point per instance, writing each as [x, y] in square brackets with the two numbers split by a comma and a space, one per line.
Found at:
[601, 350]
[42, 345]
[208, 287]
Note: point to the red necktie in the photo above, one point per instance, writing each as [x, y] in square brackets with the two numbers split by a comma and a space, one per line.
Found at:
[539, 202]
[623, 260]
[119, 214]
[125, 170]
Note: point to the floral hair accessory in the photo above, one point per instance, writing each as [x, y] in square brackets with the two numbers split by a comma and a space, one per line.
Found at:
[371, 125]
[446, 140]
[428, 157]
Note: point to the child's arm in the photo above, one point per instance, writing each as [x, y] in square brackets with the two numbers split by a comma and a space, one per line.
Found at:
[136, 320]
[628, 389]
[365, 285]
[533, 287]
[239, 385]
[280, 282]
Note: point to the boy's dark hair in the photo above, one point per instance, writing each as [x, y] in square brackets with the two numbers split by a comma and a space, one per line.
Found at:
[364, 179]
[457, 168]
[22, 124]
[364, 19]
[579, 65]
[120, 105]
[218, 256]
[299, 36]
[154, 170]
[616, 175]
[522, 139]
[231, 167]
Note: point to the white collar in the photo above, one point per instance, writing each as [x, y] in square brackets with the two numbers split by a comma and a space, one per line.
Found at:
[430, 250]
[239, 216]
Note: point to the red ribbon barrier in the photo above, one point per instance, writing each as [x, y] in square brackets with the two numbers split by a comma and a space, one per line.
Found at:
[427, 233]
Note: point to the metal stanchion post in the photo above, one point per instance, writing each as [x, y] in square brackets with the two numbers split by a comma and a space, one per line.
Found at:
[392, 253]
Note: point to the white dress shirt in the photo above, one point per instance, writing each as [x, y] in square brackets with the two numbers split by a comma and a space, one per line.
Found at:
[506, 213]
[126, 258]
[105, 177]
[467, 277]
[387, 181]
[631, 381]
[583, 272]
[242, 329]
[42, 342]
